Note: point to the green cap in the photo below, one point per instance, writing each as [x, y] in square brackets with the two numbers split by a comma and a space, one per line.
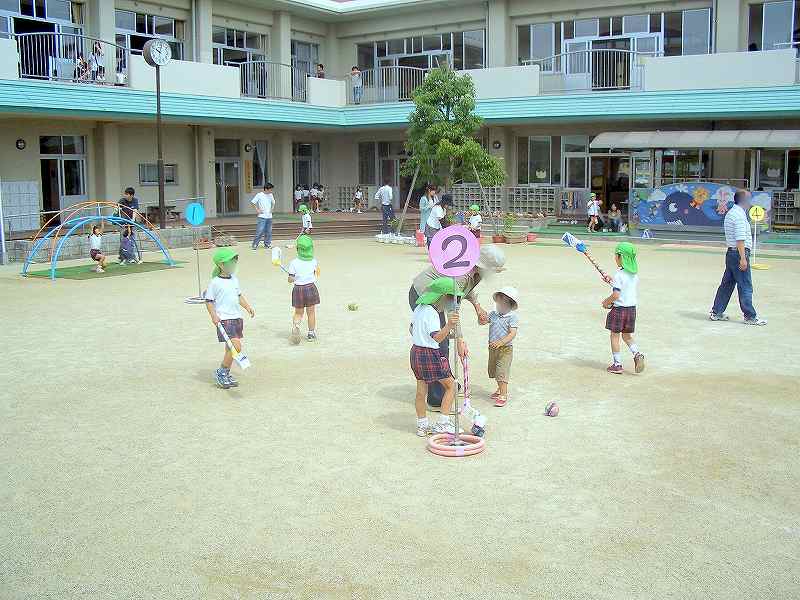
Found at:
[627, 252]
[302, 208]
[222, 256]
[305, 247]
[438, 288]
[475, 208]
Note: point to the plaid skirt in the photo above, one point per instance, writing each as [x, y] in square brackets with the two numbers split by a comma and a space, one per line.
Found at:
[621, 319]
[94, 253]
[305, 295]
[429, 365]
[233, 327]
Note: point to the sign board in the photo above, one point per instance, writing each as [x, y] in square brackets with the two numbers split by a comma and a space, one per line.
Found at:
[454, 251]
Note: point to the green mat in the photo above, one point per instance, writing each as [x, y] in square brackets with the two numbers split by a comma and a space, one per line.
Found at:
[114, 269]
[778, 239]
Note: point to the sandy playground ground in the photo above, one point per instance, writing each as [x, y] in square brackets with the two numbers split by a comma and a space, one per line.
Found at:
[125, 473]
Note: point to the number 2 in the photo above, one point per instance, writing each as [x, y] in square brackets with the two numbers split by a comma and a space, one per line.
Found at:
[454, 262]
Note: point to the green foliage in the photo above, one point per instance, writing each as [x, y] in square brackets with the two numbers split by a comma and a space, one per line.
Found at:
[441, 132]
[509, 220]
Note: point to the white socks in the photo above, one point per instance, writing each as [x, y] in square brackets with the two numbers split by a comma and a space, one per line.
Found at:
[617, 358]
[634, 349]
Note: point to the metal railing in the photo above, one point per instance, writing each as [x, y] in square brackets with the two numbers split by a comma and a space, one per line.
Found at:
[72, 57]
[591, 70]
[264, 79]
[385, 84]
[736, 182]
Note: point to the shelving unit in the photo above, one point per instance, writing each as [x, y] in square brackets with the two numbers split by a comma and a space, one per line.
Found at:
[785, 210]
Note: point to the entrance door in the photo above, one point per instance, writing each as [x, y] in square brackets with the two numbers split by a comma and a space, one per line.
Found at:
[63, 182]
[641, 170]
[227, 178]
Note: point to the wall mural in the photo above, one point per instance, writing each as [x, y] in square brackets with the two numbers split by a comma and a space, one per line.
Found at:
[687, 204]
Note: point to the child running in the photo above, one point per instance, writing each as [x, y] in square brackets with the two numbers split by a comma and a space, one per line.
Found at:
[622, 302]
[96, 251]
[475, 220]
[223, 299]
[503, 326]
[303, 273]
[306, 226]
[427, 364]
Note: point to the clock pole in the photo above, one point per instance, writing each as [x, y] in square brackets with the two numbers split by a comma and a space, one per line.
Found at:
[162, 216]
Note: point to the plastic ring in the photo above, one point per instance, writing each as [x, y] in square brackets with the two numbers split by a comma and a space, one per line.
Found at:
[441, 444]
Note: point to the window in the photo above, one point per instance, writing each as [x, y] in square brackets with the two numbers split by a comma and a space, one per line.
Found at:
[772, 169]
[696, 31]
[586, 28]
[305, 56]
[576, 172]
[366, 163]
[148, 174]
[777, 28]
[673, 25]
[543, 42]
[234, 46]
[575, 143]
[226, 148]
[523, 44]
[365, 56]
[431, 42]
[473, 49]
[636, 24]
[538, 160]
[260, 163]
[539, 163]
[135, 29]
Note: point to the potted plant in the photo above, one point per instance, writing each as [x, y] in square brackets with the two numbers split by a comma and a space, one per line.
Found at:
[513, 233]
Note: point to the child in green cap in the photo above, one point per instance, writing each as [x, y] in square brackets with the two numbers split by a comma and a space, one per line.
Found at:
[475, 220]
[306, 219]
[621, 320]
[303, 273]
[427, 363]
[223, 299]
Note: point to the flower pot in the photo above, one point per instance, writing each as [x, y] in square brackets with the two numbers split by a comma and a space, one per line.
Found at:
[531, 237]
[498, 239]
[515, 238]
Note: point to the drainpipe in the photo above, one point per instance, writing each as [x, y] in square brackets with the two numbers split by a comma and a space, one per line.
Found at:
[195, 56]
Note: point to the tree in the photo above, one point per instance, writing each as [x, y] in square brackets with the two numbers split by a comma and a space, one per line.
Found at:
[441, 135]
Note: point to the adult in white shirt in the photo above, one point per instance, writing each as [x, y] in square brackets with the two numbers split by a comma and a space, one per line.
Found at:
[384, 196]
[739, 239]
[436, 216]
[265, 203]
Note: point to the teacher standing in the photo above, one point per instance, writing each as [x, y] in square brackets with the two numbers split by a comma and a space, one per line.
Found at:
[739, 239]
[491, 261]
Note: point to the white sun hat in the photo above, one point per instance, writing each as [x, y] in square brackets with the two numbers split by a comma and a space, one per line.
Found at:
[511, 292]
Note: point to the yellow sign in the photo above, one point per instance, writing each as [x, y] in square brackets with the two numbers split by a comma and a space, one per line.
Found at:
[757, 213]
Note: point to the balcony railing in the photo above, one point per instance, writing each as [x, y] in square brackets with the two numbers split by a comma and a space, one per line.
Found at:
[385, 84]
[263, 79]
[591, 70]
[71, 57]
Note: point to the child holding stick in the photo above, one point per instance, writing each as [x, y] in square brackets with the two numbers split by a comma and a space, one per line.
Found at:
[621, 320]
[427, 363]
[306, 226]
[223, 299]
[303, 272]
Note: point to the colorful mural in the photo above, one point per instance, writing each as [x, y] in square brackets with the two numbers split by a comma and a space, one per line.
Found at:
[687, 204]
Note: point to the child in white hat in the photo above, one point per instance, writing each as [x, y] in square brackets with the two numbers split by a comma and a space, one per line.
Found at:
[503, 325]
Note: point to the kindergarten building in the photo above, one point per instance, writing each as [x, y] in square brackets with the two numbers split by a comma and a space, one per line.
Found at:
[577, 97]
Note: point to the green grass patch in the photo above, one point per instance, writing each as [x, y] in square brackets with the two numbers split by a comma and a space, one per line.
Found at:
[87, 271]
[779, 239]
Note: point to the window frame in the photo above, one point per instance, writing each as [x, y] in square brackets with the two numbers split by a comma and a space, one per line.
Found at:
[147, 183]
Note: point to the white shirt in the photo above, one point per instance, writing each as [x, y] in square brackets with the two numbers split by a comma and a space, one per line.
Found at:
[384, 194]
[593, 209]
[305, 193]
[314, 192]
[224, 291]
[304, 271]
[627, 285]
[434, 219]
[426, 322]
[737, 227]
[475, 222]
[265, 202]
[96, 242]
[298, 194]
[358, 195]
[306, 220]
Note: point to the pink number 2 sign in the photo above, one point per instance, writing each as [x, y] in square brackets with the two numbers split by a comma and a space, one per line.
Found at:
[454, 251]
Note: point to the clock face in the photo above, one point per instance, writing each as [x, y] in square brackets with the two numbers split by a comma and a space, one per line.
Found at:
[157, 52]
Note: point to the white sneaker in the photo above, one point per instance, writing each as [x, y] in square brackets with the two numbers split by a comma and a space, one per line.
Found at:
[423, 429]
[140, 261]
[755, 321]
[712, 316]
[100, 270]
[446, 427]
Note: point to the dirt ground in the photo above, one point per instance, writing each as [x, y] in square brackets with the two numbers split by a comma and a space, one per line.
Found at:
[125, 473]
